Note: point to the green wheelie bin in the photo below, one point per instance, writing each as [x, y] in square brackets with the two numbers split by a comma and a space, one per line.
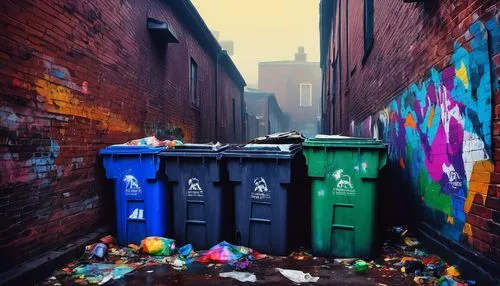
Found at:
[343, 172]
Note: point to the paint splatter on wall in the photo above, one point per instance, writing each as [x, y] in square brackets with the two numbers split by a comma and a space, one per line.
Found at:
[439, 133]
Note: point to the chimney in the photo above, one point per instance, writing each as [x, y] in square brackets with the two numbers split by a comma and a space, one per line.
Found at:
[300, 56]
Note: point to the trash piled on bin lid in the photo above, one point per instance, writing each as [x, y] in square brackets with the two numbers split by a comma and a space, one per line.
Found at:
[291, 137]
[152, 141]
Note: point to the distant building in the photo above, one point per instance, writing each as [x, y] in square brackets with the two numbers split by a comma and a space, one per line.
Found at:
[264, 107]
[226, 45]
[297, 86]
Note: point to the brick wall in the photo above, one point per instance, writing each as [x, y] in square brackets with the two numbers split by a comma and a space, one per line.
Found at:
[77, 76]
[429, 87]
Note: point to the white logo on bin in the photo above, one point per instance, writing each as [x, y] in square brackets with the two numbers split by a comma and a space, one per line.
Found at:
[194, 188]
[260, 190]
[131, 185]
[344, 183]
[137, 214]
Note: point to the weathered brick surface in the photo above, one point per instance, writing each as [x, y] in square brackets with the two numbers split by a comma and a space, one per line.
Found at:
[76, 76]
[409, 40]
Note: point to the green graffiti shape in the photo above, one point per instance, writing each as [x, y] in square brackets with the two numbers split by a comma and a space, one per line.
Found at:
[432, 195]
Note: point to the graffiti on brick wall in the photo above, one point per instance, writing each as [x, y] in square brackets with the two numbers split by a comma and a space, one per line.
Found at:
[439, 132]
[27, 159]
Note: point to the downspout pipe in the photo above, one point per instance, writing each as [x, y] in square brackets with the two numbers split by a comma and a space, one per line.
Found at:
[220, 53]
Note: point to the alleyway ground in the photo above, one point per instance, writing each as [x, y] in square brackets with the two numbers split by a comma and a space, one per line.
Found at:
[403, 253]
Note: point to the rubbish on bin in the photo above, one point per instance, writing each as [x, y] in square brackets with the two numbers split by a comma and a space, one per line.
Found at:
[297, 276]
[360, 265]
[156, 245]
[224, 252]
[452, 271]
[240, 276]
[291, 137]
[154, 142]
[99, 250]
[186, 250]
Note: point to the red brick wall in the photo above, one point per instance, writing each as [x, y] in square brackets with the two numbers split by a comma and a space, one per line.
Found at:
[231, 131]
[411, 42]
[76, 76]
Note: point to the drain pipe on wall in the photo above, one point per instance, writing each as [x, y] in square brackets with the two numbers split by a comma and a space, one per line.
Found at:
[219, 54]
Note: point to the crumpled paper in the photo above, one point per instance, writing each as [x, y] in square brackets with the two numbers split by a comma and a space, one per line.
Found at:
[240, 276]
[297, 276]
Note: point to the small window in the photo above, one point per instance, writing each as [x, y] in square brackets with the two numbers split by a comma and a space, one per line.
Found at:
[368, 25]
[193, 83]
[305, 94]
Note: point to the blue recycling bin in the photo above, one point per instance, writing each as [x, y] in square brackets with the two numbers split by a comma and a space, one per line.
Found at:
[202, 201]
[272, 196]
[142, 203]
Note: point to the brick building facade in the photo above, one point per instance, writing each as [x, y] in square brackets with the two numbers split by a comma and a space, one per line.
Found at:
[265, 108]
[424, 77]
[79, 75]
[297, 86]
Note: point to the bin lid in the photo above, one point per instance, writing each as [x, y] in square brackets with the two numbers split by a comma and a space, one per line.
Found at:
[264, 151]
[343, 141]
[123, 149]
[195, 150]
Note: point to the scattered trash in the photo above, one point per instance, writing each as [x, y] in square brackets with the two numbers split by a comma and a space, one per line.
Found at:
[97, 272]
[108, 240]
[150, 271]
[411, 241]
[134, 246]
[240, 276]
[156, 245]
[297, 276]
[241, 264]
[360, 266]
[344, 261]
[99, 250]
[225, 252]
[453, 271]
[300, 255]
[186, 250]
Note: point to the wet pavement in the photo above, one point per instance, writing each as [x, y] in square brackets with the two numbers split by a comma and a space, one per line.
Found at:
[402, 261]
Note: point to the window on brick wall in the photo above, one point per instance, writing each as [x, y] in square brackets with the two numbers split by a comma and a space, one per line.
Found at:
[305, 94]
[193, 83]
[368, 26]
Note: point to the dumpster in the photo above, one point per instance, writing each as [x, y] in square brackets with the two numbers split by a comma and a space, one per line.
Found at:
[343, 172]
[272, 200]
[140, 196]
[202, 200]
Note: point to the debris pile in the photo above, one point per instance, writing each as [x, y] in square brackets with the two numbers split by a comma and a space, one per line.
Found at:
[402, 257]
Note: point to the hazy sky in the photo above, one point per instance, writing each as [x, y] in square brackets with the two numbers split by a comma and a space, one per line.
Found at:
[263, 30]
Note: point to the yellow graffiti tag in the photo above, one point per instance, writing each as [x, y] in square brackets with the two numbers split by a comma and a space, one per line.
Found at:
[467, 229]
[450, 220]
[479, 181]
[461, 73]
[61, 100]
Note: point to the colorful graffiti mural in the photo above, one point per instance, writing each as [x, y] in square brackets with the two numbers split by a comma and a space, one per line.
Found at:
[439, 133]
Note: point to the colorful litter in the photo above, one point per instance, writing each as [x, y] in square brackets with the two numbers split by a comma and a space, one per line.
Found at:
[225, 252]
[154, 142]
[155, 245]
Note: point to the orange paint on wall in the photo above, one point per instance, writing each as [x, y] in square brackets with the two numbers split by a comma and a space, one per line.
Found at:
[478, 184]
[431, 117]
[61, 100]
[410, 122]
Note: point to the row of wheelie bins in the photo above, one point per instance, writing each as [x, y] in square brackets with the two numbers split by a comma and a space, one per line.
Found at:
[270, 197]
